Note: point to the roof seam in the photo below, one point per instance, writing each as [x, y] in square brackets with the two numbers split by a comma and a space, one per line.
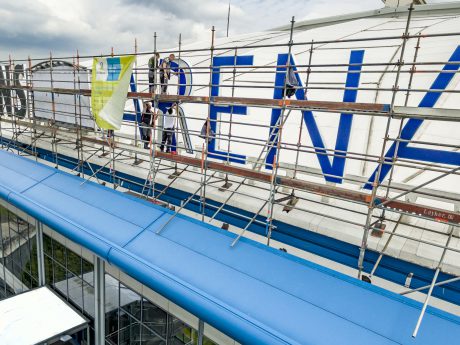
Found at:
[37, 183]
[143, 230]
[94, 206]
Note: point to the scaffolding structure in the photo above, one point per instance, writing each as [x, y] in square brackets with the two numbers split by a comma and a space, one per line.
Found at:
[284, 185]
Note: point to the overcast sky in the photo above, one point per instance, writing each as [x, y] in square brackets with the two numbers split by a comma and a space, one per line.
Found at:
[36, 27]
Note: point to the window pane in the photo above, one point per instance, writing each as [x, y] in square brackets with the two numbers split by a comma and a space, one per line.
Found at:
[33, 259]
[87, 266]
[88, 299]
[58, 252]
[59, 277]
[27, 280]
[111, 326]
[111, 308]
[130, 301]
[73, 262]
[129, 330]
[154, 317]
[48, 270]
[150, 338]
[182, 333]
[47, 244]
[23, 228]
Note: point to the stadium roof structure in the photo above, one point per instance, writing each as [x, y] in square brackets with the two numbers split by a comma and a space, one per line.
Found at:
[384, 12]
[251, 292]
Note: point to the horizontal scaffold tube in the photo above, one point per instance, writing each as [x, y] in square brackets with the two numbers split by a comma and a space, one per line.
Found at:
[383, 109]
[372, 109]
[342, 193]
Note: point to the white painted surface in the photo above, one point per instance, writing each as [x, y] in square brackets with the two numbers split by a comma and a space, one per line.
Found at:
[34, 317]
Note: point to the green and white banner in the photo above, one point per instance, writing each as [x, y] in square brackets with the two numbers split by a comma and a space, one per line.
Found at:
[109, 89]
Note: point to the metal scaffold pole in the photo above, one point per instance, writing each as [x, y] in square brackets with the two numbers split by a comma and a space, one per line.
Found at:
[15, 124]
[80, 144]
[136, 122]
[441, 283]
[31, 109]
[77, 123]
[153, 168]
[433, 282]
[376, 181]
[178, 122]
[54, 139]
[293, 200]
[205, 149]
[227, 184]
[392, 168]
[112, 147]
[259, 162]
[276, 158]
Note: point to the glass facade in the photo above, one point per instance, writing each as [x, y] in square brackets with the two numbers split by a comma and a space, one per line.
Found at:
[18, 254]
[133, 319]
[69, 274]
[130, 318]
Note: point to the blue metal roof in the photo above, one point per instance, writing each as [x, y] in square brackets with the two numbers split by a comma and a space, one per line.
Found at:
[253, 293]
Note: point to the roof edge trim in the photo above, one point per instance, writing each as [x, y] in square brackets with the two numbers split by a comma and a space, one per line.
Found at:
[367, 14]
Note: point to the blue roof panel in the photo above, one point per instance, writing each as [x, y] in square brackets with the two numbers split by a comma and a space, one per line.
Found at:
[11, 179]
[253, 293]
[118, 230]
[116, 204]
[26, 167]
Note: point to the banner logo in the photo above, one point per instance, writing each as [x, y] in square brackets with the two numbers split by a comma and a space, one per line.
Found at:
[110, 82]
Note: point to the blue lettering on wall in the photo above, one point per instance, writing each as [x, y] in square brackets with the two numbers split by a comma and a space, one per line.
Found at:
[346, 120]
[428, 155]
[236, 110]
[137, 104]
[335, 170]
[185, 77]
[185, 89]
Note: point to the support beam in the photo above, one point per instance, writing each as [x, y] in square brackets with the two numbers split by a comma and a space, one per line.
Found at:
[40, 253]
[200, 332]
[99, 300]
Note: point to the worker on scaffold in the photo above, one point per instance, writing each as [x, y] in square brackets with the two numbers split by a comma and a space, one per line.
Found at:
[169, 119]
[165, 72]
[147, 121]
[207, 133]
[154, 62]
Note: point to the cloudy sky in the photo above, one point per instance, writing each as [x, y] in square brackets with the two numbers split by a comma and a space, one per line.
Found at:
[36, 27]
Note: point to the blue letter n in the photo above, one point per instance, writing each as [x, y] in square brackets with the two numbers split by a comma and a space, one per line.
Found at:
[335, 169]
